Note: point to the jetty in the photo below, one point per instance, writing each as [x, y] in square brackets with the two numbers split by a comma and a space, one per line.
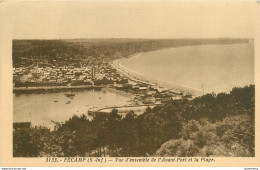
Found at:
[46, 88]
[121, 109]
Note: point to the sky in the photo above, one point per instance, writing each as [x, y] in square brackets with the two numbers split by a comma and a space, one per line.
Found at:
[128, 19]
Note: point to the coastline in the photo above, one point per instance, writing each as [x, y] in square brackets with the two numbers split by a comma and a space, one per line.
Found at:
[130, 74]
[138, 77]
[132, 98]
[46, 88]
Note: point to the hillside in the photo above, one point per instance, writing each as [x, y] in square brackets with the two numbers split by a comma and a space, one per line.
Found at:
[211, 125]
[37, 50]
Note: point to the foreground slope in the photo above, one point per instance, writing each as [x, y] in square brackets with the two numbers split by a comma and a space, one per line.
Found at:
[211, 125]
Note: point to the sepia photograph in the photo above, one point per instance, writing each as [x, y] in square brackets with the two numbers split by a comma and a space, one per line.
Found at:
[133, 97]
[142, 79]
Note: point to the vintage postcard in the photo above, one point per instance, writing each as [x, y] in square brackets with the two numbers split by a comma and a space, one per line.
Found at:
[129, 83]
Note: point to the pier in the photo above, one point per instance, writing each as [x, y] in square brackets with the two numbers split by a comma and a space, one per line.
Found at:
[121, 109]
[46, 88]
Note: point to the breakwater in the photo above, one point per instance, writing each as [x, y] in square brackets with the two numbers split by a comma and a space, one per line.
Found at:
[53, 88]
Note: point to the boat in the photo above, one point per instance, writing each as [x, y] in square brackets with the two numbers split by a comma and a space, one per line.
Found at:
[69, 95]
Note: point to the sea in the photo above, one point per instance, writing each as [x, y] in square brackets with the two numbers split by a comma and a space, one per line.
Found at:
[205, 68]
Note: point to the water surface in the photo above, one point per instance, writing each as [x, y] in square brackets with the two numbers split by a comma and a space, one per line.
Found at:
[214, 68]
[40, 109]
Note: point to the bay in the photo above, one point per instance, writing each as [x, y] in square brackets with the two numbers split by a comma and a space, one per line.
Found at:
[214, 68]
[41, 109]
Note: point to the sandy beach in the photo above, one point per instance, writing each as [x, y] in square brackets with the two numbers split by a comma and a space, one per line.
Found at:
[138, 77]
[130, 74]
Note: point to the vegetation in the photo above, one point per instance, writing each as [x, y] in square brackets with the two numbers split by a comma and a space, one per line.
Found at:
[211, 125]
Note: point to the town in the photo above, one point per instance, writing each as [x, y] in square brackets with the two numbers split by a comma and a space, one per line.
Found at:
[90, 74]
